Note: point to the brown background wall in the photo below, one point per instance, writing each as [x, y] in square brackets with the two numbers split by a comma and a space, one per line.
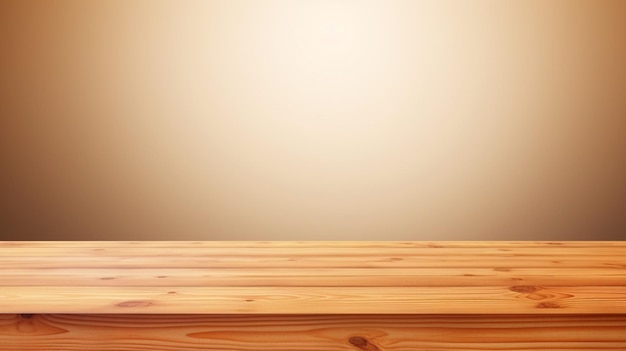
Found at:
[313, 120]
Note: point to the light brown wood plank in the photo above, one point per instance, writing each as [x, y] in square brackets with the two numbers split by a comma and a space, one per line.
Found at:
[364, 277]
[310, 300]
[381, 259]
[550, 278]
[127, 332]
[330, 252]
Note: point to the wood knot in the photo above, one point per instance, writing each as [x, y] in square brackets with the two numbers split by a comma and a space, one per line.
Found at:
[135, 303]
[525, 289]
[362, 343]
[548, 304]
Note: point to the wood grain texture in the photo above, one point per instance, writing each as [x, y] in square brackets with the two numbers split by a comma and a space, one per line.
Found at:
[270, 277]
[379, 259]
[306, 300]
[131, 332]
[310, 296]
[313, 277]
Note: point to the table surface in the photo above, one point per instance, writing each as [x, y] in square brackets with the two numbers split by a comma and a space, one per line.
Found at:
[316, 277]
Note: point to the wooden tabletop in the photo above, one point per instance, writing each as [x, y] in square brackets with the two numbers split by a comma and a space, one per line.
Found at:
[358, 277]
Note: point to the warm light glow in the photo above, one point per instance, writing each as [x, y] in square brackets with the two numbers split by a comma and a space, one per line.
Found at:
[325, 119]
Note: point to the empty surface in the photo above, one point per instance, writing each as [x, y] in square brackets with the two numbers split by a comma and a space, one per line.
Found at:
[313, 277]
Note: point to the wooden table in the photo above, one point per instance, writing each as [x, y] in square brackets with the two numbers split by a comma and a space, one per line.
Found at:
[297, 296]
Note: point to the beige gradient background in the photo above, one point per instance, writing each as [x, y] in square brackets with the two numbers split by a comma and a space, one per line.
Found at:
[313, 120]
